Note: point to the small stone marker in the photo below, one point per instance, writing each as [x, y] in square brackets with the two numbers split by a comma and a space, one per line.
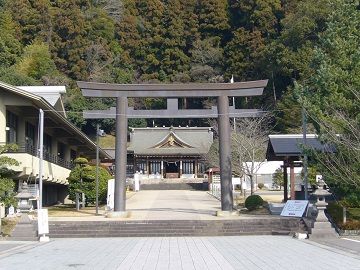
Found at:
[294, 208]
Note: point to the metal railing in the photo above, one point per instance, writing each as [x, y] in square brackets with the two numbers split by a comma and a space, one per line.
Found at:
[32, 150]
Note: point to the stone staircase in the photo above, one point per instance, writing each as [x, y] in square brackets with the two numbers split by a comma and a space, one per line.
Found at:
[25, 230]
[160, 228]
[175, 186]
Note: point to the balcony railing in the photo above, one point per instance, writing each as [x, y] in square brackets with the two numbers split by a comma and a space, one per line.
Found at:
[32, 150]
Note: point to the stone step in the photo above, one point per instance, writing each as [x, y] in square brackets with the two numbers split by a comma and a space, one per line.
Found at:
[175, 228]
[175, 186]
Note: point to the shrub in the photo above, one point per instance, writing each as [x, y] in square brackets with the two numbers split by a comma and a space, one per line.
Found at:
[87, 174]
[261, 185]
[253, 202]
[351, 225]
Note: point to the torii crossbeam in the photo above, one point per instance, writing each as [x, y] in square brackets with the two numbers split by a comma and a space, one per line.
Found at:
[222, 91]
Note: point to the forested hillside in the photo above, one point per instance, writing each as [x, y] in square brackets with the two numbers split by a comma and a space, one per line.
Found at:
[49, 42]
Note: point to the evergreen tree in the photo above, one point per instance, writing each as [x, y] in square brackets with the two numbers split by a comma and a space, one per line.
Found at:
[332, 96]
[69, 38]
[10, 47]
[174, 60]
[213, 19]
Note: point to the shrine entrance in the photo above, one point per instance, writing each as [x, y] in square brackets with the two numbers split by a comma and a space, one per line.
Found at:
[172, 169]
[221, 91]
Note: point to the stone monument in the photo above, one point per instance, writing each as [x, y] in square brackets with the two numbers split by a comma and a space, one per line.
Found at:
[322, 227]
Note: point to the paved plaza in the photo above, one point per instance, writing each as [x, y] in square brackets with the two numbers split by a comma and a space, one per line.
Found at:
[239, 252]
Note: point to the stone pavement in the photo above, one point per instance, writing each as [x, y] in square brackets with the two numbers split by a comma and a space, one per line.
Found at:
[169, 204]
[348, 244]
[240, 252]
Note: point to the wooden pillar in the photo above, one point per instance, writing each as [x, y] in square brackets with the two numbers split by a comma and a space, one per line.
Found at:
[292, 181]
[162, 168]
[196, 168]
[285, 182]
[180, 170]
[147, 167]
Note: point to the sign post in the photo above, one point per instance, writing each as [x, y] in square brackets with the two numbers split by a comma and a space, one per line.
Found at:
[43, 225]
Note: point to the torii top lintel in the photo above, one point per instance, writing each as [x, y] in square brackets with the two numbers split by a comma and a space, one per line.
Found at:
[237, 89]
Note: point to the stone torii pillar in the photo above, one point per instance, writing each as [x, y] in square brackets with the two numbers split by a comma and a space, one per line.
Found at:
[222, 91]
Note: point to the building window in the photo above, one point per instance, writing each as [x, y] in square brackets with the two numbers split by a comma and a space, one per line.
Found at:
[202, 167]
[61, 150]
[29, 134]
[155, 167]
[47, 144]
[12, 127]
[188, 167]
[141, 166]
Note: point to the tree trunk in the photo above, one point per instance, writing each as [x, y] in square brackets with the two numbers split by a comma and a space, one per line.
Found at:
[251, 184]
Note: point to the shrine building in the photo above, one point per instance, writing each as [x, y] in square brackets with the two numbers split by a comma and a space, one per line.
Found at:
[170, 152]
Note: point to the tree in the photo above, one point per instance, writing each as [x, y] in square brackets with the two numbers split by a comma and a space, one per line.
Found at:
[7, 185]
[82, 179]
[248, 146]
[278, 178]
[36, 61]
[332, 97]
[10, 47]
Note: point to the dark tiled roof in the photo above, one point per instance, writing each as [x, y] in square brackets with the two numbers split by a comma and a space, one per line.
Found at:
[291, 145]
[194, 140]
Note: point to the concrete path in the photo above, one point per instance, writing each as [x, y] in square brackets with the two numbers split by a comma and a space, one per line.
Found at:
[240, 252]
[177, 204]
[169, 204]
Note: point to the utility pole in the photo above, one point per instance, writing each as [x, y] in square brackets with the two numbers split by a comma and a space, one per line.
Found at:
[41, 155]
[233, 101]
[97, 168]
[305, 162]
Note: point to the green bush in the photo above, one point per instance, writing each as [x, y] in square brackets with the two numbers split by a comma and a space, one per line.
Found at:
[253, 202]
[88, 175]
[261, 185]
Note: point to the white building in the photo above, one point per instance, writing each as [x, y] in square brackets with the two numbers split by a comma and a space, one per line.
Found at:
[63, 142]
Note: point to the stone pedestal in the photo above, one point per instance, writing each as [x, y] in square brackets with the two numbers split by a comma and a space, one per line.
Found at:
[118, 214]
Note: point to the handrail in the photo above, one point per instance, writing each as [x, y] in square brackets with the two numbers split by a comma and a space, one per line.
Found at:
[29, 148]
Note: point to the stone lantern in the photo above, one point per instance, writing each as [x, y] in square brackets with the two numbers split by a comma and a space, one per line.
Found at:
[322, 226]
[24, 197]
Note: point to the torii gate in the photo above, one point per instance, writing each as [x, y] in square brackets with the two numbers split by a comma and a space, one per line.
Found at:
[222, 91]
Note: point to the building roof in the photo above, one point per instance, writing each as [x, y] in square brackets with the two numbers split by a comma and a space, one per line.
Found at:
[63, 125]
[291, 146]
[52, 94]
[173, 141]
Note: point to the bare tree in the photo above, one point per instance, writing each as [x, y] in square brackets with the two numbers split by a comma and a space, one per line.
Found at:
[249, 145]
[114, 8]
[248, 141]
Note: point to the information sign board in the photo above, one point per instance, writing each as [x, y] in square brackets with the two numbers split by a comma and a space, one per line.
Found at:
[294, 208]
